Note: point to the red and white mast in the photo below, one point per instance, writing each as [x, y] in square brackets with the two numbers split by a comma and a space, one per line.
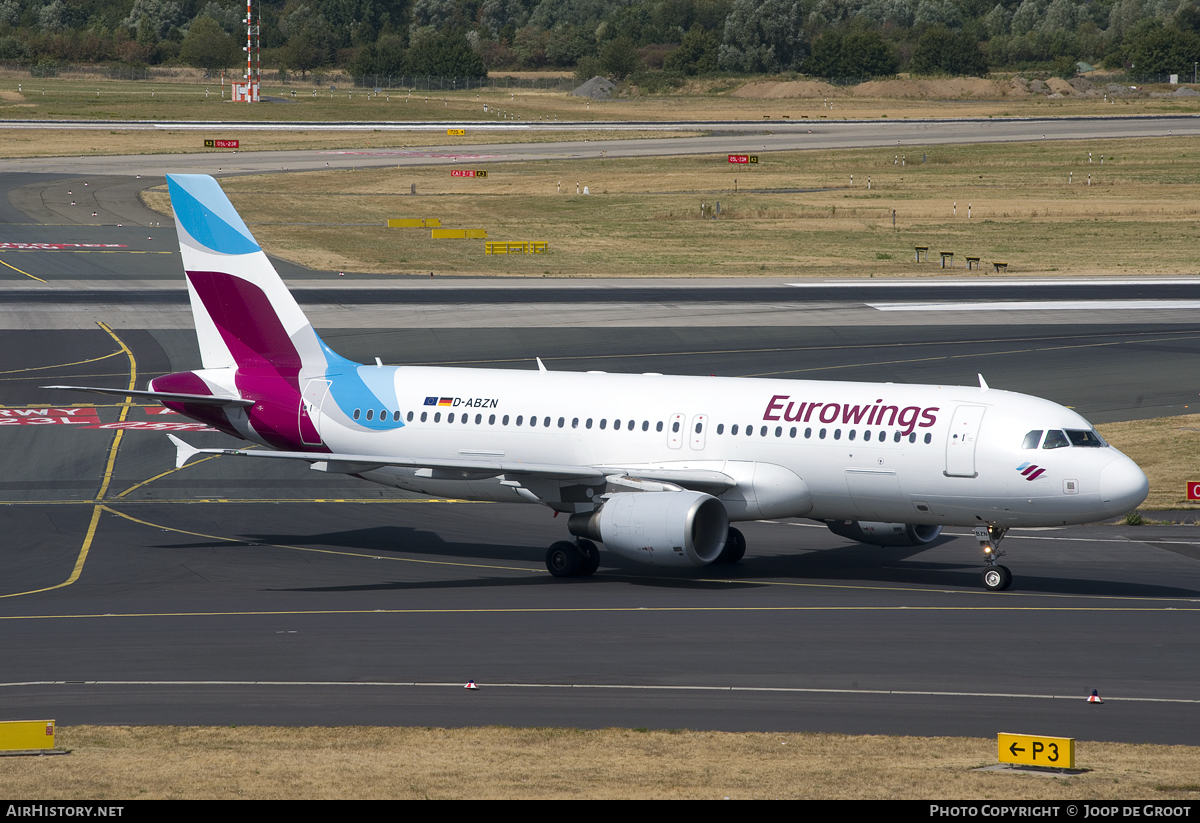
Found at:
[249, 91]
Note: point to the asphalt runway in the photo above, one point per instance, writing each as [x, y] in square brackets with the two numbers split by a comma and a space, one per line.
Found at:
[715, 137]
[235, 593]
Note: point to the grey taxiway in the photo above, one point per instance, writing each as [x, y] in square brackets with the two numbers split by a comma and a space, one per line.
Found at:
[233, 593]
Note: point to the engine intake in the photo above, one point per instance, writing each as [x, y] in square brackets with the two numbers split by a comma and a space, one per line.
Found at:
[683, 528]
[884, 534]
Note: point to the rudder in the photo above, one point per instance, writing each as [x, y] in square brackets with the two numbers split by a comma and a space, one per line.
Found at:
[245, 316]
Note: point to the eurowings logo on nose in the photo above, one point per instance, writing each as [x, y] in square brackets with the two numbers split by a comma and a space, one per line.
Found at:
[1030, 471]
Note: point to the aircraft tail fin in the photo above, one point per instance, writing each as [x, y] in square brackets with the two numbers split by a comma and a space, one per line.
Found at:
[245, 316]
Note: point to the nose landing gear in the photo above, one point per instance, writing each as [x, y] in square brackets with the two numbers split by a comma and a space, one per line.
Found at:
[996, 578]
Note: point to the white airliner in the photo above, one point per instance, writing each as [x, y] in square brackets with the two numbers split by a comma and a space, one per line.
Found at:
[654, 467]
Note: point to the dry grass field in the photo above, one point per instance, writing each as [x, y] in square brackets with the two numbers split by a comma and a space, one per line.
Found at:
[1166, 450]
[795, 214]
[120, 763]
[191, 98]
[109, 142]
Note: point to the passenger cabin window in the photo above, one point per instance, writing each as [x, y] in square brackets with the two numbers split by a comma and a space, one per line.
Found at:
[1085, 438]
[1055, 440]
[1032, 439]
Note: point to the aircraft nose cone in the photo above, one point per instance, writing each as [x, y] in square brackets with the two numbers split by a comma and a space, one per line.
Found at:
[1123, 486]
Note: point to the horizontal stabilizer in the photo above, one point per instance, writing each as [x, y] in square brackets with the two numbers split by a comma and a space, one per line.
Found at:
[163, 396]
[183, 452]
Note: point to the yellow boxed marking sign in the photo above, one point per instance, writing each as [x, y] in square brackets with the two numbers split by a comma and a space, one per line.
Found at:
[413, 223]
[516, 247]
[1036, 750]
[26, 735]
[457, 234]
[456, 132]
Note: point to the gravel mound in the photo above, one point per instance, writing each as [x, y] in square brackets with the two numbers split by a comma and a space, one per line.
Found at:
[598, 88]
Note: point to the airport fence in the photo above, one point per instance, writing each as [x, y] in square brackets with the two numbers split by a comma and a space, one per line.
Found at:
[283, 77]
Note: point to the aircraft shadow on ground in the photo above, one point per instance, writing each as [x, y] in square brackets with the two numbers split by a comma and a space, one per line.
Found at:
[849, 564]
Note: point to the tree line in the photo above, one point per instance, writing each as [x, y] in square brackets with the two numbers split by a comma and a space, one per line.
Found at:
[651, 41]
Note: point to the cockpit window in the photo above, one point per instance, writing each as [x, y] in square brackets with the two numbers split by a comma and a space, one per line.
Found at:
[1032, 439]
[1085, 437]
[1055, 440]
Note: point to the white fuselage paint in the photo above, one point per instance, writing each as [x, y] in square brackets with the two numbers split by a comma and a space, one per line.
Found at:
[847, 476]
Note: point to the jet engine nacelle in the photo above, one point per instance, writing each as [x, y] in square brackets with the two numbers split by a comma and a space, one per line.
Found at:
[683, 528]
[884, 534]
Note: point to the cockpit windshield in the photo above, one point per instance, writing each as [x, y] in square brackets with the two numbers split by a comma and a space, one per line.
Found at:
[1085, 437]
[1056, 439]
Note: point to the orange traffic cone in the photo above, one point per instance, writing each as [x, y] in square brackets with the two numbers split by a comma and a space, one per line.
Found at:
[1094, 697]
[471, 686]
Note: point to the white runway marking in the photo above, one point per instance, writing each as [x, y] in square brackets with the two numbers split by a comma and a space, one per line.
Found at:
[1005, 281]
[607, 686]
[1042, 305]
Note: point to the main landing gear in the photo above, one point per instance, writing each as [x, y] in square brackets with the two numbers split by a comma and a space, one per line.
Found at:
[578, 559]
[582, 558]
[996, 578]
[735, 547]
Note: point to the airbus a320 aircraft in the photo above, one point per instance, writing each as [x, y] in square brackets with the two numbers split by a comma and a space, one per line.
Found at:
[654, 467]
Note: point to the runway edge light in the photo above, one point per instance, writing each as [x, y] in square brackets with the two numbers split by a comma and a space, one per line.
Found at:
[1094, 697]
[1036, 750]
[26, 735]
[471, 686]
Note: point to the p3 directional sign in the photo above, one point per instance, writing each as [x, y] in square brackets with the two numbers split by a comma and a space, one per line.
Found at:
[1036, 750]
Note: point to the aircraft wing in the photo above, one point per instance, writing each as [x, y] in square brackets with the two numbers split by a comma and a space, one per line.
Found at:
[163, 396]
[442, 469]
[450, 469]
